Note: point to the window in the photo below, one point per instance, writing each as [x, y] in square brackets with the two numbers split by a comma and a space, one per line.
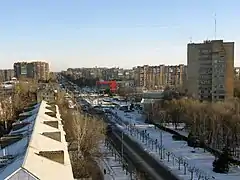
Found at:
[221, 86]
[221, 97]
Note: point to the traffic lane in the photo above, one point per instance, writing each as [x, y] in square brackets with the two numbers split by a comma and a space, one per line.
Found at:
[131, 165]
[144, 159]
[139, 157]
[140, 161]
[130, 159]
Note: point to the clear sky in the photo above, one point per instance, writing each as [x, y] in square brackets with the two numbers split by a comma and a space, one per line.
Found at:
[125, 33]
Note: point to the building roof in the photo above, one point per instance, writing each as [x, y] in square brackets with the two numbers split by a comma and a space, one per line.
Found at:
[29, 156]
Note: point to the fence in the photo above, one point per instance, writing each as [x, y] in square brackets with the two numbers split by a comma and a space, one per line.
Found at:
[164, 154]
[126, 167]
[181, 163]
[213, 151]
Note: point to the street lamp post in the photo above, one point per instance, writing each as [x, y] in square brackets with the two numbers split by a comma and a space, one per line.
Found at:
[152, 110]
[161, 144]
[122, 146]
[161, 140]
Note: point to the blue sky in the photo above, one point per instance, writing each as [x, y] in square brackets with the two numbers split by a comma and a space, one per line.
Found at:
[125, 33]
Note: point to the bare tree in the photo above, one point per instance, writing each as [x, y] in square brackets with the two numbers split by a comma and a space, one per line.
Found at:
[6, 114]
[89, 132]
[84, 135]
[216, 124]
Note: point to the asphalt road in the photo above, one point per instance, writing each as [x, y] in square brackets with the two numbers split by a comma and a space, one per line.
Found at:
[149, 168]
[152, 169]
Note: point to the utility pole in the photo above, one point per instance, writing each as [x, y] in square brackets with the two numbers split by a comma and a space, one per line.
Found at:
[152, 110]
[122, 146]
[161, 143]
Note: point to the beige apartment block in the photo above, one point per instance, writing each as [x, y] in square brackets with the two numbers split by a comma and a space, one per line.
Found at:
[210, 72]
[157, 77]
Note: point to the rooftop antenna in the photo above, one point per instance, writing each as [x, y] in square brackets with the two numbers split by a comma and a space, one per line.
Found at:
[215, 26]
[190, 39]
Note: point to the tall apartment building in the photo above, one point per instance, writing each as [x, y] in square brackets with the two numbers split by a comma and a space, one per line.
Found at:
[175, 75]
[36, 70]
[40, 70]
[156, 77]
[20, 69]
[210, 72]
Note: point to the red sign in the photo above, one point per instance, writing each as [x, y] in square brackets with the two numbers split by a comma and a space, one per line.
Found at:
[103, 85]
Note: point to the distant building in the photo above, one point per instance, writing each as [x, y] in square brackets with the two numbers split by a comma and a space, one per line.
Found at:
[20, 70]
[6, 74]
[41, 70]
[210, 72]
[107, 74]
[157, 77]
[35, 70]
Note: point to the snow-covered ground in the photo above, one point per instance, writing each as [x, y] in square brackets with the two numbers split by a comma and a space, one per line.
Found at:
[180, 128]
[112, 165]
[194, 162]
[197, 162]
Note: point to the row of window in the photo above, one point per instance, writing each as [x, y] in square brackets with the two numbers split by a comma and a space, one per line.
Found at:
[210, 97]
[205, 51]
[210, 91]
[203, 82]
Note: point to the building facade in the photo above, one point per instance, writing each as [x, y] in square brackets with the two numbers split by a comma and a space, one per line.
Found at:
[101, 73]
[157, 77]
[20, 69]
[210, 72]
[35, 70]
[6, 74]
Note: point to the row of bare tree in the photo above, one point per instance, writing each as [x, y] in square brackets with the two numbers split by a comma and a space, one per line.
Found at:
[12, 103]
[215, 124]
[84, 135]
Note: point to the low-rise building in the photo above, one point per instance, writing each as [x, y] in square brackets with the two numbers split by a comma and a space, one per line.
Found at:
[36, 147]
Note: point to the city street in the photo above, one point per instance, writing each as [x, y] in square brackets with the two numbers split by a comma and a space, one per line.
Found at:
[148, 166]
